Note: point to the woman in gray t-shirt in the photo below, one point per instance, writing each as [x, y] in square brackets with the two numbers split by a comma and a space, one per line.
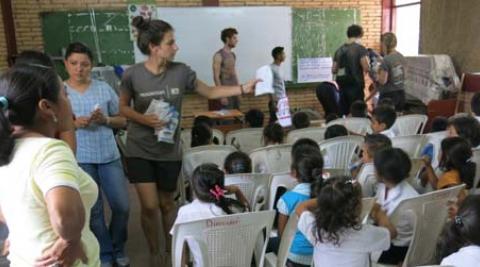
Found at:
[154, 166]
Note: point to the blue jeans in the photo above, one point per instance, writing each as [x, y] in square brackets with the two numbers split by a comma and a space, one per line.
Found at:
[112, 182]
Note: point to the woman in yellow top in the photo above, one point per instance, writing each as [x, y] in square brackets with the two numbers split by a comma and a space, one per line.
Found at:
[45, 198]
[455, 161]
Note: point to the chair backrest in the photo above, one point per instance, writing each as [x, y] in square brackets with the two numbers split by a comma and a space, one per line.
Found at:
[224, 240]
[186, 137]
[429, 214]
[436, 139]
[410, 124]
[280, 180]
[253, 186]
[367, 205]
[287, 239]
[341, 151]
[271, 159]
[417, 165]
[476, 181]
[245, 140]
[315, 133]
[356, 125]
[411, 144]
[193, 157]
[366, 178]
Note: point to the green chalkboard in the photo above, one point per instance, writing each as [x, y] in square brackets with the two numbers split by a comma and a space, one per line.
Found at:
[106, 33]
[319, 32]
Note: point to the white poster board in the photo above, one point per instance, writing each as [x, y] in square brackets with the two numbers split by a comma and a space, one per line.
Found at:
[317, 69]
[197, 32]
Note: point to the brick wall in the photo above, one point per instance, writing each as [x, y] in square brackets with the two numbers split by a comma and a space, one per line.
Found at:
[29, 36]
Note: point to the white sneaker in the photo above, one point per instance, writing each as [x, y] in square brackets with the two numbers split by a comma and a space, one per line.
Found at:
[122, 261]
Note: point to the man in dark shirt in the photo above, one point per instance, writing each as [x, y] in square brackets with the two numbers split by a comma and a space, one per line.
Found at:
[349, 65]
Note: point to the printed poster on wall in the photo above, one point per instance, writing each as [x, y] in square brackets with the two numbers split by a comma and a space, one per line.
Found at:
[144, 10]
[314, 69]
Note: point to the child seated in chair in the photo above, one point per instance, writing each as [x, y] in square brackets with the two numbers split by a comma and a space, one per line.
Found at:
[208, 183]
[465, 126]
[392, 166]
[332, 224]
[300, 120]
[201, 135]
[273, 134]
[383, 118]
[332, 132]
[359, 109]
[307, 168]
[372, 144]
[254, 118]
[237, 162]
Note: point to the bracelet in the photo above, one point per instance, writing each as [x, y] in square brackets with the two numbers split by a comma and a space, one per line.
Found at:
[241, 89]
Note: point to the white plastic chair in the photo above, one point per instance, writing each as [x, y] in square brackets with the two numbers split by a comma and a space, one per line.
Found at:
[246, 139]
[436, 139]
[367, 205]
[280, 180]
[356, 125]
[410, 124]
[366, 178]
[341, 151]
[411, 144]
[317, 134]
[196, 156]
[186, 137]
[271, 159]
[224, 240]
[253, 186]
[272, 260]
[417, 165]
[429, 214]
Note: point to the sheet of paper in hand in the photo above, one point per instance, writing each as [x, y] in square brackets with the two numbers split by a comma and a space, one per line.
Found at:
[266, 85]
[283, 112]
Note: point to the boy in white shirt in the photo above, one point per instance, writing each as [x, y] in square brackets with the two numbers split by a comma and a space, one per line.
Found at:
[393, 166]
[383, 118]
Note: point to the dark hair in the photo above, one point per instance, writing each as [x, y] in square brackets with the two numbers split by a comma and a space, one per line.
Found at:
[273, 132]
[227, 33]
[277, 51]
[389, 40]
[204, 179]
[302, 144]
[456, 155]
[467, 127]
[23, 86]
[300, 120]
[308, 165]
[78, 48]
[150, 31]
[34, 57]
[376, 142]
[201, 135]
[330, 117]
[462, 231]
[439, 124]
[254, 117]
[339, 204]
[335, 131]
[475, 104]
[392, 164]
[237, 162]
[385, 114]
[355, 31]
[386, 101]
[358, 109]
[203, 119]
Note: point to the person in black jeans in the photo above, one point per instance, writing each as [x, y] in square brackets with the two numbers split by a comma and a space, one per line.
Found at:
[349, 65]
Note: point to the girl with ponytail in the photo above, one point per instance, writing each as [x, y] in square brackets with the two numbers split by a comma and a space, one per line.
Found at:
[307, 166]
[208, 183]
